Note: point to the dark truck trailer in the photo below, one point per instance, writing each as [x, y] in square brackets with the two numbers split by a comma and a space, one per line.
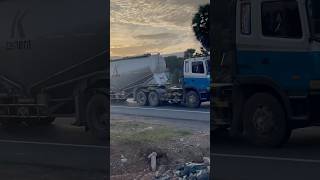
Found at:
[53, 62]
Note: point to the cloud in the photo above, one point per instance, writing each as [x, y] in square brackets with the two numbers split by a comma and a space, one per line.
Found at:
[157, 36]
[141, 25]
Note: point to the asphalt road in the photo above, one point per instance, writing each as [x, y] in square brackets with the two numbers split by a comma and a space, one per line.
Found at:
[174, 112]
[234, 159]
[58, 151]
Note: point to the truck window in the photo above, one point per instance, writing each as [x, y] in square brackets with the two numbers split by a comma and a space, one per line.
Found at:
[245, 21]
[186, 67]
[314, 17]
[281, 19]
[197, 67]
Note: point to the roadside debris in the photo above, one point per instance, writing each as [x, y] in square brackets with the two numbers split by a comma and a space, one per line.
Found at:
[149, 151]
[188, 171]
[193, 171]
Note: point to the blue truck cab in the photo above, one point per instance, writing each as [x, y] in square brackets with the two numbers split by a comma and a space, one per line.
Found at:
[196, 81]
[274, 84]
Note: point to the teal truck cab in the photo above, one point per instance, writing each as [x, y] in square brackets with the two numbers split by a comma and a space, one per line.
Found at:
[266, 67]
[196, 81]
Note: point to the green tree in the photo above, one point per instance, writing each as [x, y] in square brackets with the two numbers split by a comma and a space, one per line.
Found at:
[175, 67]
[203, 52]
[189, 53]
[201, 26]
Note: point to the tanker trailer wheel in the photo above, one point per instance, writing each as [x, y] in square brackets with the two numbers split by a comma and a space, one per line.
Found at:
[265, 121]
[192, 99]
[154, 99]
[97, 115]
[142, 98]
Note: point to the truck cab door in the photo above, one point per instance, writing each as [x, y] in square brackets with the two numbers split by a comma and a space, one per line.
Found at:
[196, 74]
[272, 42]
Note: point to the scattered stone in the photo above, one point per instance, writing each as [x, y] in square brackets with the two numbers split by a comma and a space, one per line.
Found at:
[123, 159]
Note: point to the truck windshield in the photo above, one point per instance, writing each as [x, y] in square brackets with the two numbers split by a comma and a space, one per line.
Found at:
[313, 8]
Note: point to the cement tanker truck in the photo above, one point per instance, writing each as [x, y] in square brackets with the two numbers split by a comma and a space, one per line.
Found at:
[53, 62]
[145, 79]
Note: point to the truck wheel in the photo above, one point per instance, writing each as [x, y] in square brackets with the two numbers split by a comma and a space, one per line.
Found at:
[192, 99]
[154, 99]
[265, 121]
[97, 116]
[142, 98]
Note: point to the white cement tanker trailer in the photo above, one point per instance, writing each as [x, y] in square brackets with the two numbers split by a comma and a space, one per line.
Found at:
[145, 79]
[53, 62]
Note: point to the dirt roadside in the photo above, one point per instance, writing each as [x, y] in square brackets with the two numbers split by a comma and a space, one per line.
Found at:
[133, 139]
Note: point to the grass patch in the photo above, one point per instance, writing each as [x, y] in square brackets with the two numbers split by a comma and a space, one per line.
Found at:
[143, 132]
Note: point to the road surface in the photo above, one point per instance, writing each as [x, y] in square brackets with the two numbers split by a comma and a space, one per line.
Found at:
[59, 151]
[173, 112]
[299, 159]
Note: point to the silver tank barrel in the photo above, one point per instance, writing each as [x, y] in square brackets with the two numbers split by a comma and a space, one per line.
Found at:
[135, 70]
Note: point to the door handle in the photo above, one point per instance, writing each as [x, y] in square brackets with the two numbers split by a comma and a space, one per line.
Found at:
[265, 61]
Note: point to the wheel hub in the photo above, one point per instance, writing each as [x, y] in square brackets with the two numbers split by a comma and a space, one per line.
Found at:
[192, 99]
[263, 119]
[140, 98]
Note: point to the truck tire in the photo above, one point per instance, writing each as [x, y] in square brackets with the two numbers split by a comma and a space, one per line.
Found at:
[154, 99]
[265, 121]
[142, 98]
[192, 99]
[97, 116]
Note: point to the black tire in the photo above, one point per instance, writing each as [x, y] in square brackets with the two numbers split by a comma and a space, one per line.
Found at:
[265, 121]
[192, 99]
[154, 99]
[97, 116]
[142, 98]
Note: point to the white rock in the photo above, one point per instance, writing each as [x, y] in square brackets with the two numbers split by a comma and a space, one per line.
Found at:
[123, 159]
[153, 157]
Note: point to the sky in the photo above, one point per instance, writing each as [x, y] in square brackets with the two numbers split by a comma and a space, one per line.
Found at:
[150, 26]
